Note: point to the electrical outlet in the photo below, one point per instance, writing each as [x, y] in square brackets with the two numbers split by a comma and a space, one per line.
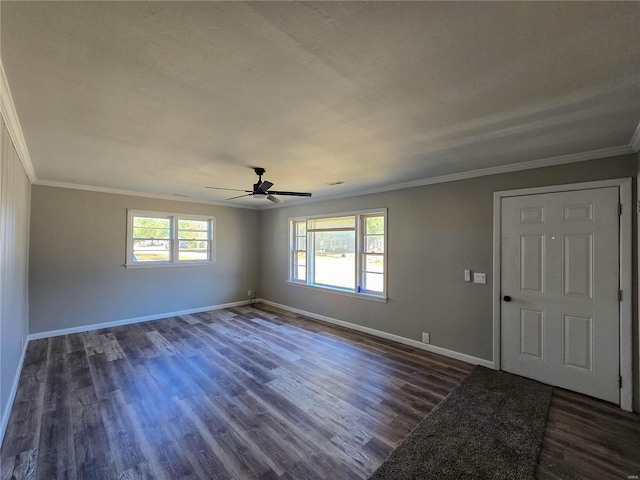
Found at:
[425, 337]
[249, 293]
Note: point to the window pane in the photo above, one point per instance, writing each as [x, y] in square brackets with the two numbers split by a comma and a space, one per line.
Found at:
[190, 235]
[144, 232]
[374, 225]
[195, 249]
[301, 228]
[373, 282]
[301, 243]
[334, 260]
[143, 245]
[193, 245]
[374, 244]
[151, 222]
[334, 242]
[335, 222]
[374, 263]
[152, 251]
[194, 254]
[300, 266]
[301, 273]
[193, 225]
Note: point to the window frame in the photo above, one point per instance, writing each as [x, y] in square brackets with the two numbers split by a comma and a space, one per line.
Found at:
[174, 241]
[362, 253]
[293, 251]
[360, 217]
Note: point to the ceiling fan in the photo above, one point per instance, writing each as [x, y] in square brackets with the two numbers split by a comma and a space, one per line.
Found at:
[261, 189]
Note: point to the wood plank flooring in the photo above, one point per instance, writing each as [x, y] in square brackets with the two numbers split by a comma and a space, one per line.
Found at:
[257, 393]
[587, 438]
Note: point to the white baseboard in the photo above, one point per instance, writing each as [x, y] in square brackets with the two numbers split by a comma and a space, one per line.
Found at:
[12, 395]
[389, 336]
[128, 321]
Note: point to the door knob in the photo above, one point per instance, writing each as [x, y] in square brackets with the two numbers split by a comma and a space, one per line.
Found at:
[506, 298]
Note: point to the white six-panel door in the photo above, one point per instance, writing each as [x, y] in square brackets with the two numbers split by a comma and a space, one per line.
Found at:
[559, 287]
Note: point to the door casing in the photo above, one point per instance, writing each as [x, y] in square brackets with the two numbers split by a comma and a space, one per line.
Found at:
[624, 188]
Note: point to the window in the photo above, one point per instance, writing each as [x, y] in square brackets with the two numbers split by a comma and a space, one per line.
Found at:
[157, 238]
[299, 257]
[344, 252]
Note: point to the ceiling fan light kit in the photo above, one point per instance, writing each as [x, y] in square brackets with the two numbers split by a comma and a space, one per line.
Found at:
[261, 190]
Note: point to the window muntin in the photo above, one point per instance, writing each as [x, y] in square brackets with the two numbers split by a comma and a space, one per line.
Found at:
[158, 238]
[345, 252]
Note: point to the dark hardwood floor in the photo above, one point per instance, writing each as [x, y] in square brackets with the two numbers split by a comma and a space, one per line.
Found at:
[257, 393]
[588, 439]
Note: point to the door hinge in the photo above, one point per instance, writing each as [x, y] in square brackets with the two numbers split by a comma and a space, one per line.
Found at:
[619, 209]
[619, 295]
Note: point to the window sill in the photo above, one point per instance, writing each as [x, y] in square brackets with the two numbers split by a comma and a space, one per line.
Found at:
[163, 265]
[338, 291]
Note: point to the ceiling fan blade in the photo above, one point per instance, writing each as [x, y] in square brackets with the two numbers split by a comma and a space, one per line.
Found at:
[240, 196]
[274, 199]
[232, 189]
[295, 194]
[264, 186]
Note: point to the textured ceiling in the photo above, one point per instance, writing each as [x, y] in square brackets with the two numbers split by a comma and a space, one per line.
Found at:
[165, 98]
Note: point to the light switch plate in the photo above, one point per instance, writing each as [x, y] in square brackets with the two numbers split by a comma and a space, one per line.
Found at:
[467, 275]
[479, 278]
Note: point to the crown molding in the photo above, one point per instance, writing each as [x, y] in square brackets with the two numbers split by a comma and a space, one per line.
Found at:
[482, 172]
[10, 117]
[514, 167]
[132, 193]
[635, 139]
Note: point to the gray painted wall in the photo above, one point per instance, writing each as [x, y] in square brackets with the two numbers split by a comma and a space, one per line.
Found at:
[14, 250]
[434, 233]
[78, 249]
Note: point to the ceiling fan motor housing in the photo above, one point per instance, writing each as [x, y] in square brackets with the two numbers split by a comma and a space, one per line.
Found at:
[259, 171]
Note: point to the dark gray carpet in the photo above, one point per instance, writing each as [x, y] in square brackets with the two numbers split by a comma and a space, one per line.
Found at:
[490, 426]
